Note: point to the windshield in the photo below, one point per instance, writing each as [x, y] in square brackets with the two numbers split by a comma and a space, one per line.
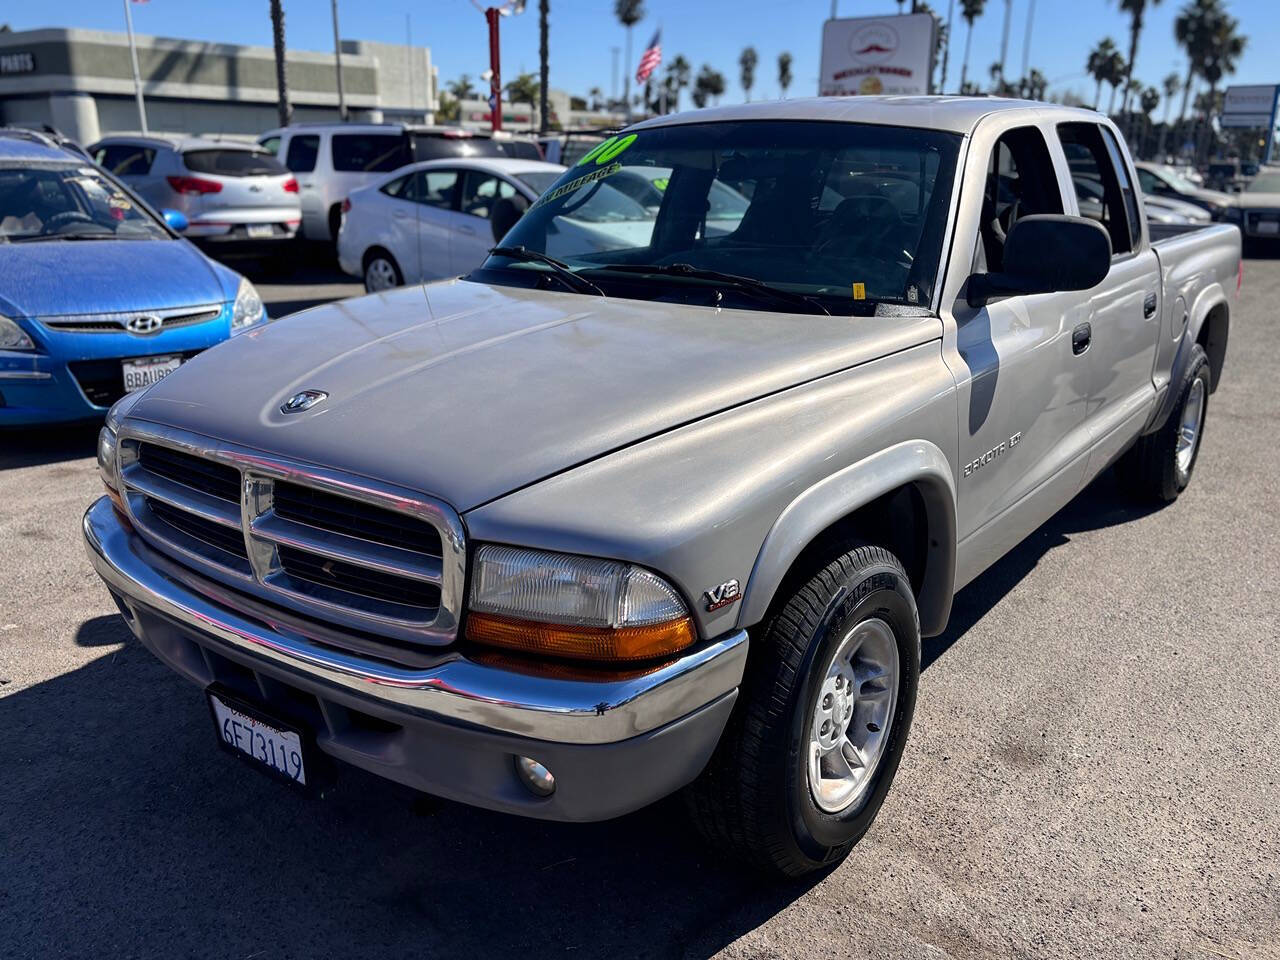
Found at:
[69, 202]
[849, 214]
[234, 163]
[1265, 183]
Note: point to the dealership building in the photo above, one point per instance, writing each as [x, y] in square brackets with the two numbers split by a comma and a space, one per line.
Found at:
[81, 82]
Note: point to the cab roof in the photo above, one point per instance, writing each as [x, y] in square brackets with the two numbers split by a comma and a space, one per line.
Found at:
[953, 114]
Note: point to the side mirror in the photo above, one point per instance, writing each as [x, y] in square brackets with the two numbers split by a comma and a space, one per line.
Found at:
[1046, 253]
[176, 219]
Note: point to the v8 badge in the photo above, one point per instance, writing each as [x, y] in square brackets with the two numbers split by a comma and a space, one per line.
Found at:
[723, 595]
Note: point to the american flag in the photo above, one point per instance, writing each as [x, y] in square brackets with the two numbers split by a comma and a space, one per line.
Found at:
[651, 58]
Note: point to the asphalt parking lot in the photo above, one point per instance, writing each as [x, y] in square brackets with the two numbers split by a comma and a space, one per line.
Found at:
[1092, 771]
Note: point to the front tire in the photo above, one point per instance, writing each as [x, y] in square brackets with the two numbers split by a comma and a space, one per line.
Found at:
[1158, 467]
[821, 722]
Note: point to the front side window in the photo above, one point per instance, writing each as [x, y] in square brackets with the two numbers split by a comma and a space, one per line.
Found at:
[69, 202]
[839, 216]
[302, 153]
[370, 152]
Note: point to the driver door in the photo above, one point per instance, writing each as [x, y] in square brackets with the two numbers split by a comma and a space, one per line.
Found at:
[1021, 387]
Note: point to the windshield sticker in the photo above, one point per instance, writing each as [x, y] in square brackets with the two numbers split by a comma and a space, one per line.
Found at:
[660, 184]
[602, 153]
[859, 291]
[573, 185]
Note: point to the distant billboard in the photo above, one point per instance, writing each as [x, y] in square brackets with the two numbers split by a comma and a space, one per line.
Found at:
[1251, 106]
[870, 55]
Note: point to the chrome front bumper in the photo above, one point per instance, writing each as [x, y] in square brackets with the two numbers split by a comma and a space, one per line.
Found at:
[456, 713]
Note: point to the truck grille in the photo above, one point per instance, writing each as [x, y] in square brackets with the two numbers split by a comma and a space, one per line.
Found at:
[341, 549]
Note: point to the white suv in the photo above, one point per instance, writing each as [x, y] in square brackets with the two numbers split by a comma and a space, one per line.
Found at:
[331, 160]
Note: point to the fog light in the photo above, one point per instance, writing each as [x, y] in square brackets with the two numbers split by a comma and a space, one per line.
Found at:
[535, 776]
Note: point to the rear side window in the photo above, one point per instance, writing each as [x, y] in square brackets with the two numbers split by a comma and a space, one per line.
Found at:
[427, 146]
[233, 163]
[435, 188]
[271, 145]
[1098, 188]
[369, 152]
[302, 154]
[401, 188]
[125, 159]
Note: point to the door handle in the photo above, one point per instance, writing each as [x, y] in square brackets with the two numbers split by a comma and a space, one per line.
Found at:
[1080, 338]
[1149, 305]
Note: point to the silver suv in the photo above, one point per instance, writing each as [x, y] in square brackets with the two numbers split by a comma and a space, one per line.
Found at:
[231, 193]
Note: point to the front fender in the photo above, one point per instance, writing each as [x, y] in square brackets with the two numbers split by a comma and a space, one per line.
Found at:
[912, 462]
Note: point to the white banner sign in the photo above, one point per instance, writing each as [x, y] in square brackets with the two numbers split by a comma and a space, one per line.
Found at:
[872, 55]
[1249, 106]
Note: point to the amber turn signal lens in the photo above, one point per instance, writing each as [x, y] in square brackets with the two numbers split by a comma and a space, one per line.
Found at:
[581, 643]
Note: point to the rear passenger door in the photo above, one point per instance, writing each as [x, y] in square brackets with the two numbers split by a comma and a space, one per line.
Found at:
[435, 193]
[1125, 309]
[473, 232]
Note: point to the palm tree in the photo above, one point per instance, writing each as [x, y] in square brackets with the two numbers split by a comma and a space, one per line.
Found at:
[784, 73]
[544, 71]
[1115, 74]
[523, 89]
[594, 96]
[1208, 33]
[629, 13]
[1171, 85]
[970, 10]
[1191, 30]
[708, 86]
[1097, 65]
[747, 64]
[678, 75]
[461, 89]
[283, 107]
[1136, 10]
[1225, 48]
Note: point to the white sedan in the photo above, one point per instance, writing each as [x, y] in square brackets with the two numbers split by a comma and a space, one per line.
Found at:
[439, 218]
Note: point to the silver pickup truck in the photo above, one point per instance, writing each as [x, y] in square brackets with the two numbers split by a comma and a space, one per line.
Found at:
[664, 495]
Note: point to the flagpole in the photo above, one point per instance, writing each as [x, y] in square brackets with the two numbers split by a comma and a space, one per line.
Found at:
[133, 55]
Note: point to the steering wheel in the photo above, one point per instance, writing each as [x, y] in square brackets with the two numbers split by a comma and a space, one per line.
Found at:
[859, 225]
[59, 220]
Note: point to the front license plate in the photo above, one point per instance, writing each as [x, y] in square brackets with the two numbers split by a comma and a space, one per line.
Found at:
[259, 230]
[1268, 226]
[146, 371]
[254, 735]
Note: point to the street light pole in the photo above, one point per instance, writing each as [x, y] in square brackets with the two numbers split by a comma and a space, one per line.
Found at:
[133, 55]
[491, 16]
[337, 58]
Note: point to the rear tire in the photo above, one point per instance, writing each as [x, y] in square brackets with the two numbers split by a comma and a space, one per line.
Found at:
[782, 790]
[381, 272]
[1159, 465]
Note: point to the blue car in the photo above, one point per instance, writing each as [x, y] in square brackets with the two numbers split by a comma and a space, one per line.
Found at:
[99, 295]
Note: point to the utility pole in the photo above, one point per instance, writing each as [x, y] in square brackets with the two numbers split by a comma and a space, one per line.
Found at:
[337, 58]
[946, 51]
[491, 15]
[408, 57]
[1026, 41]
[133, 55]
[1004, 40]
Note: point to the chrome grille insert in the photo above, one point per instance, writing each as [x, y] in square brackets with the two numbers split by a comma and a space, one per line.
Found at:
[342, 549]
[118, 322]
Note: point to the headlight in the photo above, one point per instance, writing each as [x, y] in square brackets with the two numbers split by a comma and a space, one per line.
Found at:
[107, 458]
[248, 309]
[13, 337]
[579, 607]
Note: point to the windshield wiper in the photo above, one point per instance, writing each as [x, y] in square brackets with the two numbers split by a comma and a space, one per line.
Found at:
[45, 237]
[558, 267]
[748, 285]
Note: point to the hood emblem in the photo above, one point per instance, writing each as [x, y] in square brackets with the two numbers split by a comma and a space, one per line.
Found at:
[302, 401]
[144, 323]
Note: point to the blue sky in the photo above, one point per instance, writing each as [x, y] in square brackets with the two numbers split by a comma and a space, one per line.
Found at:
[705, 31]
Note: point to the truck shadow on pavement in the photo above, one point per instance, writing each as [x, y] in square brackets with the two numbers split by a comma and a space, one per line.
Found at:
[38, 446]
[126, 831]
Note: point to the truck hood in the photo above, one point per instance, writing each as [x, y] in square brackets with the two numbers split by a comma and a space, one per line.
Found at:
[468, 391]
[106, 276]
